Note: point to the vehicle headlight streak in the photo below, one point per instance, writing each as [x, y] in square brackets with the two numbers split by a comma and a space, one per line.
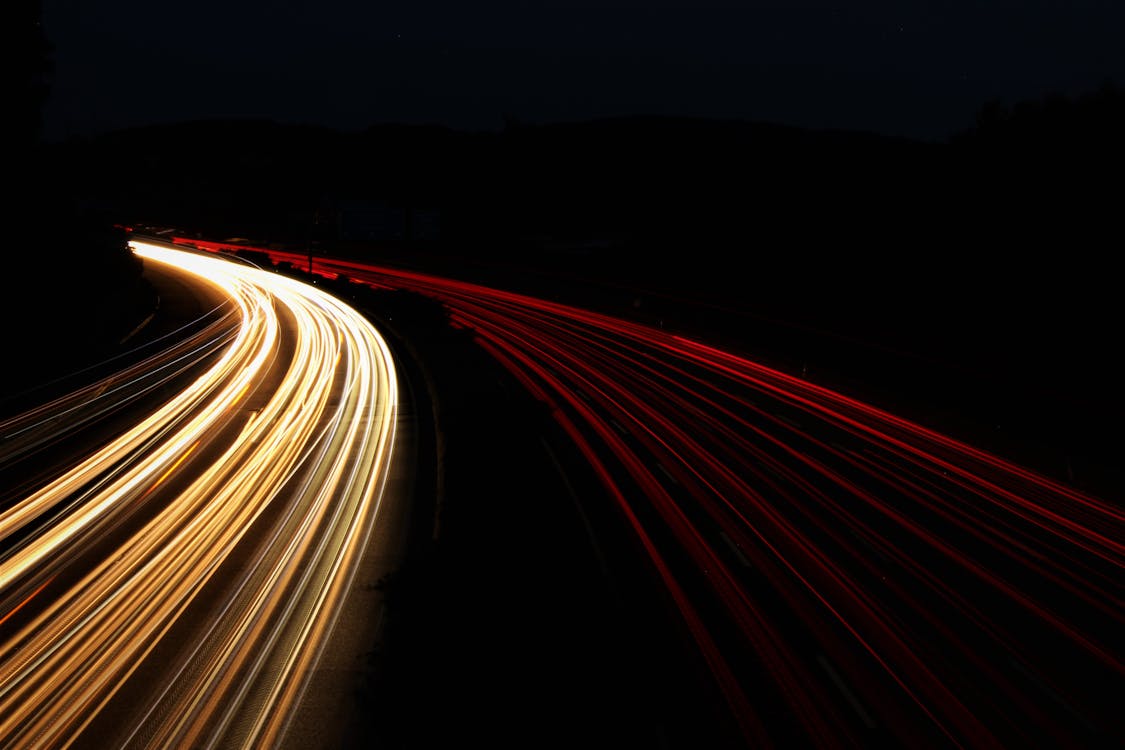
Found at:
[305, 471]
[887, 582]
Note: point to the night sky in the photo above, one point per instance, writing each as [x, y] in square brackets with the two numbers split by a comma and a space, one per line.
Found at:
[917, 68]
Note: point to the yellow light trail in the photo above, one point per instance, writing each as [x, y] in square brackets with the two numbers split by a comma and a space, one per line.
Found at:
[255, 520]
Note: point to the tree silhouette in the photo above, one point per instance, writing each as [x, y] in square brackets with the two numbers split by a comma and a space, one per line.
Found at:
[71, 288]
[1055, 125]
[1055, 161]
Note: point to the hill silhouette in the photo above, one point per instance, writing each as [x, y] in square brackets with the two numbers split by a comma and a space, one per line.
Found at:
[986, 254]
[845, 223]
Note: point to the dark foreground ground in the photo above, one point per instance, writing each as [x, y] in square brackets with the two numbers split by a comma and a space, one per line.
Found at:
[520, 618]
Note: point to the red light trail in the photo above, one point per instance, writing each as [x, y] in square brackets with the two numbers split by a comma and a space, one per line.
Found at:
[847, 575]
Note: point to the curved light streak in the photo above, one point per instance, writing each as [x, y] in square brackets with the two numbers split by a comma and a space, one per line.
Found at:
[217, 537]
[849, 577]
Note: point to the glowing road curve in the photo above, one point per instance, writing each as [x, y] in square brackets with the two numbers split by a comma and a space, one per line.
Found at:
[850, 578]
[175, 583]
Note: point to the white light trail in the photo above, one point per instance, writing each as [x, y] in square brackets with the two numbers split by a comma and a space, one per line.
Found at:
[231, 519]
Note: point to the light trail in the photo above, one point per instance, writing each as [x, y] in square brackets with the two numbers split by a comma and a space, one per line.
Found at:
[184, 576]
[851, 578]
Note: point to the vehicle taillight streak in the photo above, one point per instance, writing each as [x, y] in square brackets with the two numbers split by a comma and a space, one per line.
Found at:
[849, 576]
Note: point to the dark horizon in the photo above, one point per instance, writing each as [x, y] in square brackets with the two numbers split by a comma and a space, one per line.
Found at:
[920, 72]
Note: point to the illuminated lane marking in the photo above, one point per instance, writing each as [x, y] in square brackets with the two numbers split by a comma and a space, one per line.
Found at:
[665, 472]
[848, 694]
[734, 548]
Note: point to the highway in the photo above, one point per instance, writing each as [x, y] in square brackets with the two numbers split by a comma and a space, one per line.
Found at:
[848, 577]
[177, 539]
